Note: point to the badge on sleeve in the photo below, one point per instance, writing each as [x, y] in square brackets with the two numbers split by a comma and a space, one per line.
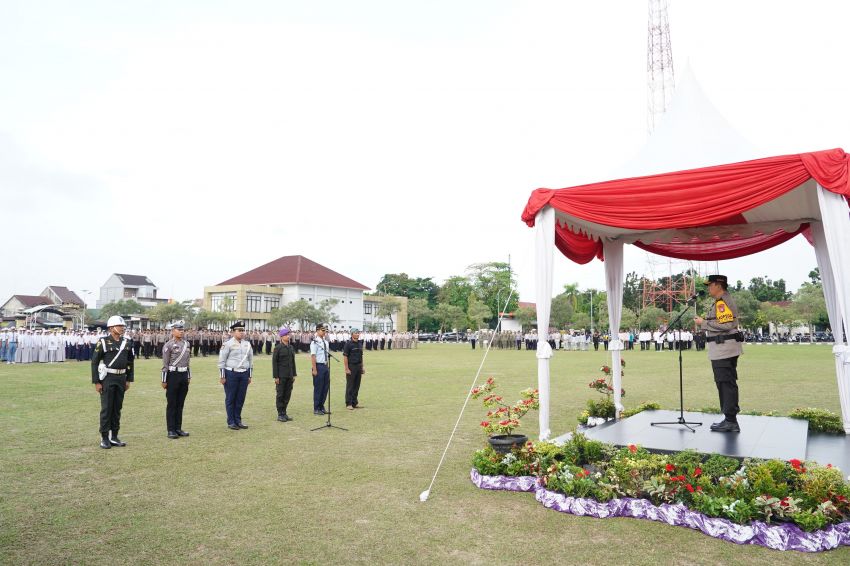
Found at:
[723, 313]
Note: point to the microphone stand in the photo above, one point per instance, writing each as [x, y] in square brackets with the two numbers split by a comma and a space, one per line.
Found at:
[328, 356]
[681, 420]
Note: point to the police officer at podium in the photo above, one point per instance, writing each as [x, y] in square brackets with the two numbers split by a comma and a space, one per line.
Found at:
[724, 347]
[111, 374]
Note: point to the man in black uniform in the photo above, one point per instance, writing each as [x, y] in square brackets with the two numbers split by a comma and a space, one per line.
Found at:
[111, 374]
[175, 379]
[352, 357]
[283, 371]
[724, 347]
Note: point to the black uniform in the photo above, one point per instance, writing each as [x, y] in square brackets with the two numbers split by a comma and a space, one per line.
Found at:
[283, 368]
[117, 356]
[353, 350]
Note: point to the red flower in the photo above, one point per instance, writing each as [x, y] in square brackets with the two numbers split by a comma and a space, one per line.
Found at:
[632, 448]
[784, 503]
[697, 472]
[795, 463]
[490, 380]
[485, 423]
[689, 487]
[699, 488]
[670, 467]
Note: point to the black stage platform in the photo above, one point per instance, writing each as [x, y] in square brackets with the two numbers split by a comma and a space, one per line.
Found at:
[782, 438]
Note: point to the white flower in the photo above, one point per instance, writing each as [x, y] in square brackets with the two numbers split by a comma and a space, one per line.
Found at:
[509, 459]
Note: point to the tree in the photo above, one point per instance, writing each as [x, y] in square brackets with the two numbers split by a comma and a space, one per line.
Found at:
[387, 308]
[526, 316]
[121, 308]
[572, 292]
[628, 320]
[300, 311]
[652, 317]
[167, 312]
[809, 305]
[449, 316]
[401, 285]
[814, 276]
[748, 308]
[633, 292]
[763, 289]
[324, 312]
[492, 283]
[561, 314]
[455, 291]
[477, 312]
[417, 310]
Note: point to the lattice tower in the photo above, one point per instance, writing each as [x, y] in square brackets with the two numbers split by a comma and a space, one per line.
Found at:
[659, 62]
[679, 282]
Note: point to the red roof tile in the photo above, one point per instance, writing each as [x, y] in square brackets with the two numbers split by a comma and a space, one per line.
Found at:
[524, 305]
[294, 269]
[30, 301]
[66, 295]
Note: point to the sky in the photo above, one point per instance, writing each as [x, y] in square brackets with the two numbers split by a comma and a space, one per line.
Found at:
[191, 141]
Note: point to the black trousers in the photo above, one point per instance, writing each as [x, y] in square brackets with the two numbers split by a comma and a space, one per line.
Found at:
[726, 380]
[352, 384]
[177, 387]
[111, 401]
[284, 392]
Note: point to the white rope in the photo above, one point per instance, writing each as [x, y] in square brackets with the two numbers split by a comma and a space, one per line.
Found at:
[425, 494]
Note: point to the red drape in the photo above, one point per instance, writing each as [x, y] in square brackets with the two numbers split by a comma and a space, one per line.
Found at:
[697, 197]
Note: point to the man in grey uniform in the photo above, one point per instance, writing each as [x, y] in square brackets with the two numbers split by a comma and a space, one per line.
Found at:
[175, 379]
[235, 366]
[724, 346]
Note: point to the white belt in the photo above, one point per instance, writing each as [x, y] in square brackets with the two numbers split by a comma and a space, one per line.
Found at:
[175, 368]
[116, 371]
[237, 370]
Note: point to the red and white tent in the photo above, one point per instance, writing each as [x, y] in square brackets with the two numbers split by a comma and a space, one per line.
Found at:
[722, 211]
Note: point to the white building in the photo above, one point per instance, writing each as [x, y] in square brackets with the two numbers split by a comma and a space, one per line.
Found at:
[124, 287]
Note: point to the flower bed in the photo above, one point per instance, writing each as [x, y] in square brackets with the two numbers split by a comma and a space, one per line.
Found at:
[791, 505]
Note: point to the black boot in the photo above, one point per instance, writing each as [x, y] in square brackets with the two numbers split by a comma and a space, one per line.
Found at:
[115, 441]
[104, 442]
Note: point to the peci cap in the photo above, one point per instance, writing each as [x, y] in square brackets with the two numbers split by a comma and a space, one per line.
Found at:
[237, 324]
[717, 279]
[284, 331]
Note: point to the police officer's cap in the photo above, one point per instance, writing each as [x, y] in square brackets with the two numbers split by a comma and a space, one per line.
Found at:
[355, 331]
[321, 326]
[237, 324]
[179, 324]
[717, 279]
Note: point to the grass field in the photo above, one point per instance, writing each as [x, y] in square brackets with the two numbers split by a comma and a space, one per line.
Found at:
[278, 493]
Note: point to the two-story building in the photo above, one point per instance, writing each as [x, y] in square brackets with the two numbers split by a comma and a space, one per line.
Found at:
[252, 295]
[125, 287]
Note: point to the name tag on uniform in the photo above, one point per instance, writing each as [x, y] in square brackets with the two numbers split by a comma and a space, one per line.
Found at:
[723, 313]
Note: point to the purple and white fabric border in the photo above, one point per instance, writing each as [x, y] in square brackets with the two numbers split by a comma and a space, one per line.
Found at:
[784, 536]
[504, 483]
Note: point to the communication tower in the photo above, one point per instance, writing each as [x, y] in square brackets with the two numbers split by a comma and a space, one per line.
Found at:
[659, 62]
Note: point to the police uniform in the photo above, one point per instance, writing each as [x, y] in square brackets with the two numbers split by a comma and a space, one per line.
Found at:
[352, 354]
[235, 366]
[284, 373]
[724, 346]
[112, 368]
[321, 372]
[175, 378]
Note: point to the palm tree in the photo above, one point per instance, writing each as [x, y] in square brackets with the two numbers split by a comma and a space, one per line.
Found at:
[571, 291]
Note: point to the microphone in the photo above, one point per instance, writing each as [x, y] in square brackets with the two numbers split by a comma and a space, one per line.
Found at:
[698, 295]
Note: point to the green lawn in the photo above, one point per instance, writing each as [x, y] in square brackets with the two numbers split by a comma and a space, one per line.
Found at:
[278, 493]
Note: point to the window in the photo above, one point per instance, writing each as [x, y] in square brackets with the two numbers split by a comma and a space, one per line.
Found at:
[367, 308]
[254, 303]
[272, 303]
[129, 293]
[223, 303]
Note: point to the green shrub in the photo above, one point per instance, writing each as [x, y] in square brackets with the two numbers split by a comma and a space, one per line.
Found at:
[687, 460]
[768, 478]
[601, 408]
[810, 520]
[645, 406]
[820, 420]
[488, 462]
[820, 484]
[718, 466]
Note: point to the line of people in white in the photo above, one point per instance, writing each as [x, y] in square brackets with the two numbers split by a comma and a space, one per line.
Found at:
[26, 346]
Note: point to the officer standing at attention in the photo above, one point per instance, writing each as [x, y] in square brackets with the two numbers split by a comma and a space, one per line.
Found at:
[321, 372]
[111, 374]
[283, 371]
[235, 366]
[352, 357]
[724, 347]
[175, 379]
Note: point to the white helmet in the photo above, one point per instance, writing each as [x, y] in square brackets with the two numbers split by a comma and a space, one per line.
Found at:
[115, 321]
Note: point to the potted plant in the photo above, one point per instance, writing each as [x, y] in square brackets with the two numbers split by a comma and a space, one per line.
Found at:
[598, 412]
[502, 419]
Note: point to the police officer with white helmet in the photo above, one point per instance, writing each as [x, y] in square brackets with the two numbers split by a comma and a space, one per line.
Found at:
[111, 374]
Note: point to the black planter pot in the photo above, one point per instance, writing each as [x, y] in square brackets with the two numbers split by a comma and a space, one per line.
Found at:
[503, 443]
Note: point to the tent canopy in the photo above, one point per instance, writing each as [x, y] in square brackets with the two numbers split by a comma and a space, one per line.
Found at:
[711, 213]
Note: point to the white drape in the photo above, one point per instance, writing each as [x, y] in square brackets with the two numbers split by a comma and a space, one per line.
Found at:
[545, 247]
[833, 237]
[613, 251]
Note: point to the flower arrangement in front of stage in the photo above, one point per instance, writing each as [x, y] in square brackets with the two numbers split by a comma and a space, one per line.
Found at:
[603, 408]
[501, 417]
[804, 493]
[605, 384]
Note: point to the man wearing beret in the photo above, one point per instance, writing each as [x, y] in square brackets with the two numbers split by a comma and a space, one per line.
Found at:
[724, 346]
[235, 366]
[175, 378]
[283, 371]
